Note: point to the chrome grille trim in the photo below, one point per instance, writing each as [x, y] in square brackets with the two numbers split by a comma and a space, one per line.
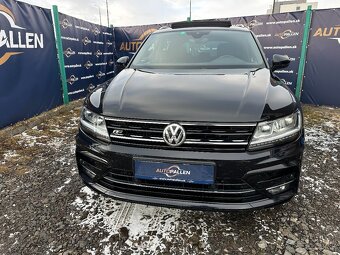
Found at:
[199, 136]
[137, 139]
[162, 141]
[214, 143]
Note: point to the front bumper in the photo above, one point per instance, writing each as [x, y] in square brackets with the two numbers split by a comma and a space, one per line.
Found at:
[242, 178]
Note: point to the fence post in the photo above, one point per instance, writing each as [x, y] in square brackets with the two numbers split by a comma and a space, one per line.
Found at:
[303, 54]
[60, 53]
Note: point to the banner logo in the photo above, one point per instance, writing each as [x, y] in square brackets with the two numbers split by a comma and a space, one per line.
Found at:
[134, 45]
[86, 41]
[286, 34]
[334, 38]
[332, 33]
[100, 74]
[96, 31]
[69, 52]
[98, 53]
[88, 65]
[65, 24]
[14, 39]
[72, 79]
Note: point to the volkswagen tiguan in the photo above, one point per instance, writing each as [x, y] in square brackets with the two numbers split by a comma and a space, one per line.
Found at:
[196, 119]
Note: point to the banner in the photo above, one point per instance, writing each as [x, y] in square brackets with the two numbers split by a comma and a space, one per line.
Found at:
[29, 72]
[321, 84]
[88, 53]
[128, 39]
[30, 81]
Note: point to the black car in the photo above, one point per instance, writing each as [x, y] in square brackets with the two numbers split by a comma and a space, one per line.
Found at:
[197, 119]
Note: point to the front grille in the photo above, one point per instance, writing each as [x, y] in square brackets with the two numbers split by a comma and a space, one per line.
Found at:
[199, 136]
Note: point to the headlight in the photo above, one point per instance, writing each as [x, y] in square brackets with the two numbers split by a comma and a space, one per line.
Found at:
[269, 133]
[94, 124]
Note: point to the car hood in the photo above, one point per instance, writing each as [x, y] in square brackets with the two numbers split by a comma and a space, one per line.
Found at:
[208, 96]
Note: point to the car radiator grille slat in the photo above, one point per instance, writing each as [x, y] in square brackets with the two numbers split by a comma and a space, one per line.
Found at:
[199, 136]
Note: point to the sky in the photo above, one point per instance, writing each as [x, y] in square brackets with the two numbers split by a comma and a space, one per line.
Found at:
[139, 12]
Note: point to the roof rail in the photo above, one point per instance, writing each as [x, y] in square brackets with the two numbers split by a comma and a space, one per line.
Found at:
[200, 23]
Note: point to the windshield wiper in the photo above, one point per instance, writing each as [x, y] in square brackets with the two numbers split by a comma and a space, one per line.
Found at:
[257, 69]
[143, 70]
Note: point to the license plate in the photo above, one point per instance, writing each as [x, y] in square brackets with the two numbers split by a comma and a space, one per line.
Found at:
[176, 172]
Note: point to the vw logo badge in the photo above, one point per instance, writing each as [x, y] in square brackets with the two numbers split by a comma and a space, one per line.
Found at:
[174, 134]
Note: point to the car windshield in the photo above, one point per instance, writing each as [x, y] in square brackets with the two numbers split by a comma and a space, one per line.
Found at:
[200, 48]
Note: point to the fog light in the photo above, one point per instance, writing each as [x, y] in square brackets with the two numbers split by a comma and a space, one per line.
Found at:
[277, 189]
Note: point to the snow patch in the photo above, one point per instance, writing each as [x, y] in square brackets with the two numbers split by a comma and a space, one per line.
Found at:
[31, 140]
[157, 223]
[315, 184]
[321, 140]
[10, 154]
[57, 190]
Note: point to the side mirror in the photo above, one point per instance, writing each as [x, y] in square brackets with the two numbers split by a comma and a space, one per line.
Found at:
[121, 64]
[280, 62]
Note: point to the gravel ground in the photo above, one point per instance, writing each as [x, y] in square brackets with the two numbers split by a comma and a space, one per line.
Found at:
[45, 208]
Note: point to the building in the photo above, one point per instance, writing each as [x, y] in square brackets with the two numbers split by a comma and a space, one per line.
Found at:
[290, 6]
